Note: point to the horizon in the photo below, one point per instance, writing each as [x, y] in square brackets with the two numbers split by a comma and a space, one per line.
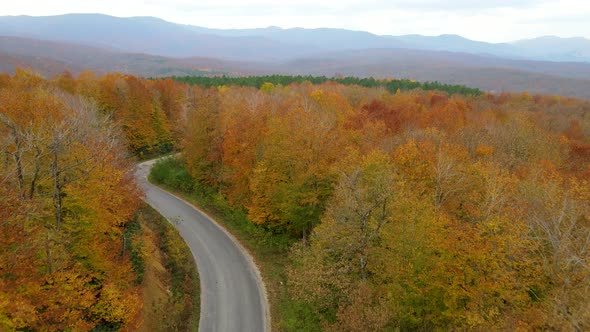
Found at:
[305, 28]
[497, 21]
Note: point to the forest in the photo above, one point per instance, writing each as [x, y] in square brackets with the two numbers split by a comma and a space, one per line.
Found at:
[415, 210]
[71, 257]
[67, 192]
[403, 207]
[392, 85]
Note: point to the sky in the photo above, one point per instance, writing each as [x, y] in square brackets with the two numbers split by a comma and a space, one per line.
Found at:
[488, 20]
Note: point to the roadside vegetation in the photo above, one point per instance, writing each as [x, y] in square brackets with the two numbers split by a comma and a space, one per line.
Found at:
[269, 249]
[170, 288]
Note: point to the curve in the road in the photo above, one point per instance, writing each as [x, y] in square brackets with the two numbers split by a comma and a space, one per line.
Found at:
[233, 296]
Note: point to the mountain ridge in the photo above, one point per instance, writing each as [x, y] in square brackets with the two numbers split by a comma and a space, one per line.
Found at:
[152, 35]
[148, 46]
[484, 72]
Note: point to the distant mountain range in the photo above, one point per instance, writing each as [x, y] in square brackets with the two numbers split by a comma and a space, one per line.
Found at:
[155, 36]
[153, 47]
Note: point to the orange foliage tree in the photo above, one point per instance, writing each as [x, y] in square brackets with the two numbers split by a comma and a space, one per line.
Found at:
[67, 193]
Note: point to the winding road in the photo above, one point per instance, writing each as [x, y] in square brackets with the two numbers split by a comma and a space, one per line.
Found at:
[233, 297]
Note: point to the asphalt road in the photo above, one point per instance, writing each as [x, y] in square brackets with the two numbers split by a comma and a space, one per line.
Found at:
[232, 293]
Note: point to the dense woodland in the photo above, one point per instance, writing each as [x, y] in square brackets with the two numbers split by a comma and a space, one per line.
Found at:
[416, 210]
[392, 85]
[408, 209]
[67, 191]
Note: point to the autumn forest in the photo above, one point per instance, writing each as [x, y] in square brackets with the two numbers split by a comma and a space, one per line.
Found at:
[387, 205]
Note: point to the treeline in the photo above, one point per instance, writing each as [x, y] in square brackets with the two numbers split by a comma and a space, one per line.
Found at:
[416, 210]
[146, 111]
[392, 85]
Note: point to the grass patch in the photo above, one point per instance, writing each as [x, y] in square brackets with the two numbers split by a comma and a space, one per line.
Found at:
[180, 309]
[132, 243]
[160, 151]
[270, 250]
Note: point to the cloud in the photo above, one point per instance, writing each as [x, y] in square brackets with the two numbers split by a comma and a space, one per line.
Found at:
[465, 5]
[333, 7]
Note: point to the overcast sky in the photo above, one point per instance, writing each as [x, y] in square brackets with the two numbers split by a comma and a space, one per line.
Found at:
[487, 20]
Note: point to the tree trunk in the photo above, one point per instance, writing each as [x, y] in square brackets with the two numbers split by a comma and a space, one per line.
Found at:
[57, 187]
[363, 248]
[304, 236]
[48, 252]
[124, 248]
[36, 172]
[18, 155]
[363, 261]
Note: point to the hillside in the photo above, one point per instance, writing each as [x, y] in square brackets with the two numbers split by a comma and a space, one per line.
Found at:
[51, 58]
[155, 36]
[147, 46]
[412, 210]
[488, 74]
[47, 66]
[142, 35]
[484, 72]
[556, 48]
